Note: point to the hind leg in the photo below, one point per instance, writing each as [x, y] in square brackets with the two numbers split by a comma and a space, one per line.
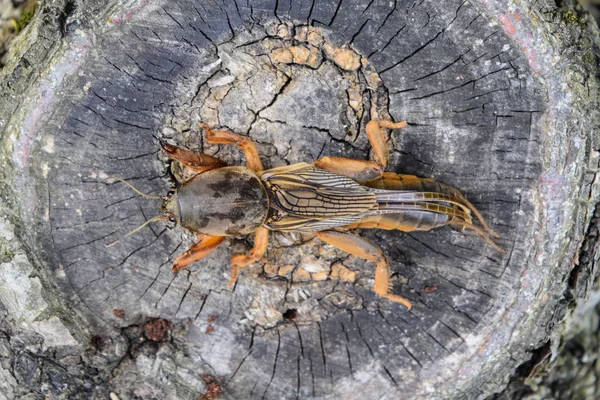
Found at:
[361, 170]
[378, 138]
[364, 249]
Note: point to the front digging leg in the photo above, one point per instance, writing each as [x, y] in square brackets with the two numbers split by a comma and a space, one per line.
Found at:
[193, 163]
[201, 248]
[199, 162]
[364, 249]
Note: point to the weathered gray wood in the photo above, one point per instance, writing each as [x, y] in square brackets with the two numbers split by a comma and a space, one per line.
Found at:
[490, 112]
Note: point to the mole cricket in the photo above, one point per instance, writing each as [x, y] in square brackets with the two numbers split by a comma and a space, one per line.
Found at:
[327, 197]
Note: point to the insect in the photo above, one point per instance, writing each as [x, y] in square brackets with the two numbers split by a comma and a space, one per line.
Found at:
[328, 197]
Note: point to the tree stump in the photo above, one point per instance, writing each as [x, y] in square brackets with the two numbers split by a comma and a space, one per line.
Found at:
[501, 102]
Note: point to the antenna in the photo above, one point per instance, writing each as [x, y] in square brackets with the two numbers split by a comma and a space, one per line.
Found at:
[147, 196]
[162, 217]
[158, 218]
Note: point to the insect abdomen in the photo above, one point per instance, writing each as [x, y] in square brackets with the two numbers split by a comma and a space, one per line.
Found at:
[393, 181]
[406, 221]
[409, 203]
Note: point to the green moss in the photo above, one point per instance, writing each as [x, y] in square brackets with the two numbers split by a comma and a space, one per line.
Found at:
[570, 16]
[5, 253]
[589, 58]
[26, 16]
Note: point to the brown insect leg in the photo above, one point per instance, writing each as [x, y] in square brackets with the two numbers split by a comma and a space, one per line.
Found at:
[378, 138]
[198, 162]
[245, 143]
[238, 261]
[201, 248]
[362, 248]
[359, 169]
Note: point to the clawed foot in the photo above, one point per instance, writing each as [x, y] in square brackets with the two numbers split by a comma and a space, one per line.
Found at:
[399, 299]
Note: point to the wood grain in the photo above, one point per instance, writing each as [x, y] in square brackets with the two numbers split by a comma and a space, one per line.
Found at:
[480, 118]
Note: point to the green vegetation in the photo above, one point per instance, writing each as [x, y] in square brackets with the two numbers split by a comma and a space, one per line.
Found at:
[25, 18]
[570, 16]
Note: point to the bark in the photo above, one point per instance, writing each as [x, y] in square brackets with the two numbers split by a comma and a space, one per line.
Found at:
[572, 370]
[501, 98]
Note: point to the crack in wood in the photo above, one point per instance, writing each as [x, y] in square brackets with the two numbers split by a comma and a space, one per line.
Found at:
[409, 56]
[274, 364]
[470, 81]
[389, 375]
[322, 347]
[355, 35]
[183, 297]
[86, 243]
[388, 15]
[443, 68]
[159, 270]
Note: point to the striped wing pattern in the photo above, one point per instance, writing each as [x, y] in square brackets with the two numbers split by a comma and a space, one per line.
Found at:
[305, 198]
[308, 199]
[390, 202]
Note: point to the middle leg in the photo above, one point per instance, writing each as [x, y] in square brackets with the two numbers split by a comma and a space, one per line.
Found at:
[261, 238]
[243, 142]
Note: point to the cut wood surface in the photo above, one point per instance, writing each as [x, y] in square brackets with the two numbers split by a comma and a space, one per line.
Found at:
[500, 102]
